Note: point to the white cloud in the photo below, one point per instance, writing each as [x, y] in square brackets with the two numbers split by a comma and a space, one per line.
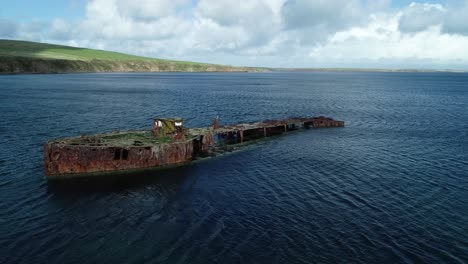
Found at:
[259, 20]
[381, 41]
[229, 13]
[149, 9]
[113, 20]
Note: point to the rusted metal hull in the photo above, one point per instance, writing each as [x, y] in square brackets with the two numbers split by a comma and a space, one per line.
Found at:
[69, 159]
[65, 158]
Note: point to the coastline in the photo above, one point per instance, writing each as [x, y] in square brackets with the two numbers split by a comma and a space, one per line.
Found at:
[370, 70]
[24, 65]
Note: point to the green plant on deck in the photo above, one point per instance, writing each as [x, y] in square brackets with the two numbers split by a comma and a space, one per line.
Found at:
[131, 137]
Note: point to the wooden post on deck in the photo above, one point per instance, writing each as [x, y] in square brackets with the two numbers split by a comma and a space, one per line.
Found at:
[285, 128]
[241, 132]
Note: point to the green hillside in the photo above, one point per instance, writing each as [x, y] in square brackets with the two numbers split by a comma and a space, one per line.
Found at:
[32, 57]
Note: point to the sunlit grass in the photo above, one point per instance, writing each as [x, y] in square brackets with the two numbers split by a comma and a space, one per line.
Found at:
[25, 56]
[51, 51]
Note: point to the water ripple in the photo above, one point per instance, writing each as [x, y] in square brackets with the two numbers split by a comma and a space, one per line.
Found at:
[391, 187]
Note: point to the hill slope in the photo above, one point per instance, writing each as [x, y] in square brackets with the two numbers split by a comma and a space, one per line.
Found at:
[32, 57]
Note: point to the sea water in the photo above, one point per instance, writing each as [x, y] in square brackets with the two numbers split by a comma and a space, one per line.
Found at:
[390, 187]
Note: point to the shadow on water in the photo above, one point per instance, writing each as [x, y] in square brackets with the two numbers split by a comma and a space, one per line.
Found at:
[167, 178]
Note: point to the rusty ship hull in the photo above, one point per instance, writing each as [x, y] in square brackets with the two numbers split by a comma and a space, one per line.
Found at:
[137, 150]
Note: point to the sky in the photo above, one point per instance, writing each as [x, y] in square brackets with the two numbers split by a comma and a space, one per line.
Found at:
[273, 33]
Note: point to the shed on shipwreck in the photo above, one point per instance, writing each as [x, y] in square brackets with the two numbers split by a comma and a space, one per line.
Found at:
[168, 127]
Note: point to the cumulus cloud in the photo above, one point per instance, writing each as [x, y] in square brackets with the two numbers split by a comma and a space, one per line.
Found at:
[456, 20]
[231, 13]
[149, 9]
[113, 20]
[321, 13]
[259, 20]
[384, 42]
[419, 16]
[290, 33]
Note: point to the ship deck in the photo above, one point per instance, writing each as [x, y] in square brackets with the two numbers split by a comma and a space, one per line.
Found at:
[116, 139]
[146, 137]
[129, 150]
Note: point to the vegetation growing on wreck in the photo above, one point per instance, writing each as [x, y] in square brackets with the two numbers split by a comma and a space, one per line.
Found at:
[167, 144]
[135, 139]
[32, 57]
[121, 139]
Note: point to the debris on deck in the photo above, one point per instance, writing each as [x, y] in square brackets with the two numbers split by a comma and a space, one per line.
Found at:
[169, 143]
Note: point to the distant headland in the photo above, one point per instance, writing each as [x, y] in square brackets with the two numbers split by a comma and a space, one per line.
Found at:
[365, 70]
[33, 57]
[18, 57]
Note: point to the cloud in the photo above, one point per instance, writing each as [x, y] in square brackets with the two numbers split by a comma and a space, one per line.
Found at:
[312, 22]
[211, 26]
[456, 20]
[148, 10]
[381, 41]
[259, 20]
[59, 29]
[131, 20]
[231, 13]
[419, 16]
[332, 14]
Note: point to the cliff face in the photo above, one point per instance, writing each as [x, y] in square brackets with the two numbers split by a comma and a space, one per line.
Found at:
[39, 65]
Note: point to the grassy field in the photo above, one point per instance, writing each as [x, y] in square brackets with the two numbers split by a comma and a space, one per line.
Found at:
[33, 57]
[51, 51]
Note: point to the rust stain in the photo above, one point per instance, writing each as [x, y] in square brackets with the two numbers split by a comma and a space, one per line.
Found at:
[166, 145]
[65, 159]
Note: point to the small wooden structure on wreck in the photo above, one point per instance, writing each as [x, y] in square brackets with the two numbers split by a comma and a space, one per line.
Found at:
[169, 143]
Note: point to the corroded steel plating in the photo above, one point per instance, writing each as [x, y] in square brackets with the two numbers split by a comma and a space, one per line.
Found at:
[168, 144]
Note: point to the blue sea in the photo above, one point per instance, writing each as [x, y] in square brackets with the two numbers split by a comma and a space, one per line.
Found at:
[390, 187]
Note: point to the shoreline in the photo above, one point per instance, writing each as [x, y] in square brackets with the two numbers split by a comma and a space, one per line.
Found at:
[272, 70]
[103, 72]
[369, 70]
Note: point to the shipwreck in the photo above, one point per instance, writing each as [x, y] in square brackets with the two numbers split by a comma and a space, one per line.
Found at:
[168, 143]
